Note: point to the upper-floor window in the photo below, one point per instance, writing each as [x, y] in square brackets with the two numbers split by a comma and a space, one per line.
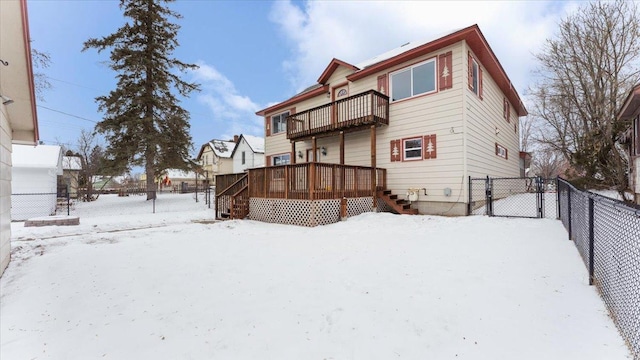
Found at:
[412, 149]
[414, 80]
[475, 76]
[244, 158]
[279, 123]
[475, 86]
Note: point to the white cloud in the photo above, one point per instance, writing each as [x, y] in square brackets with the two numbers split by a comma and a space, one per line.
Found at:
[230, 109]
[356, 30]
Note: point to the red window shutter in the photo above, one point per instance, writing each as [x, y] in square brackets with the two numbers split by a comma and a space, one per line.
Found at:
[383, 86]
[267, 124]
[506, 154]
[479, 81]
[396, 150]
[445, 71]
[430, 147]
[496, 148]
[470, 70]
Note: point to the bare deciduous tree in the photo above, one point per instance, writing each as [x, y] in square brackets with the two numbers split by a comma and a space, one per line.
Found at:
[584, 73]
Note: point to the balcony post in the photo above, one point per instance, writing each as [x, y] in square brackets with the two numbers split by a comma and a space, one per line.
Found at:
[373, 167]
[293, 152]
[286, 181]
[312, 180]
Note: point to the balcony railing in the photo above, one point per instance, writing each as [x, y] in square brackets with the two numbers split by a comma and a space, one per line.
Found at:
[315, 181]
[368, 108]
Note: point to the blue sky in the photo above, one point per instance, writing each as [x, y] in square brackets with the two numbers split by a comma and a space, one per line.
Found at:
[255, 53]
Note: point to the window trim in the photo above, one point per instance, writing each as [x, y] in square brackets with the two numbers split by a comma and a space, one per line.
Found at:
[274, 156]
[404, 148]
[502, 151]
[475, 80]
[273, 127]
[410, 68]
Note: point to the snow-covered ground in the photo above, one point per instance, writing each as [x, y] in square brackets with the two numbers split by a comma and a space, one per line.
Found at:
[130, 284]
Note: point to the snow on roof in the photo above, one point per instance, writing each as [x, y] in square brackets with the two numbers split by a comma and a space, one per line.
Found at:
[222, 149]
[255, 143]
[401, 49]
[179, 174]
[40, 156]
[71, 163]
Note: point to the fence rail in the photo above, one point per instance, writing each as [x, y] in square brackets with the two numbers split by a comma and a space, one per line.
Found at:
[606, 233]
[315, 181]
[30, 205]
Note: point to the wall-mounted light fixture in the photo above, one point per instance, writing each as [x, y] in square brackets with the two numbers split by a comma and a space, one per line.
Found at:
[497, 131]
[323, 151]
[328, 94]
[300, 154]
[6, 100]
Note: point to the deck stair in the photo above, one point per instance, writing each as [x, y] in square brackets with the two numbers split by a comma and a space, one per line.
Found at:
[399, 206]
[233, 202]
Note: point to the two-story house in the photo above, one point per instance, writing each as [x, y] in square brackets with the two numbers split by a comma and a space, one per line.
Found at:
[403, 131]
[248, 153]
[630, 111]
[215, 158]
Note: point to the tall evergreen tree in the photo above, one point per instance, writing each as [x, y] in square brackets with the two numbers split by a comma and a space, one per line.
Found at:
[144, 123]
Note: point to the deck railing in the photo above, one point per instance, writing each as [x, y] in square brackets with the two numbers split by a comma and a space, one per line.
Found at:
[232, 201]
[368, 108]
[315, 181]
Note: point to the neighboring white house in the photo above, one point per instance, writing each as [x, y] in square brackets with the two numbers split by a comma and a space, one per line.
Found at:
[248, 153]
[34, 180]
[18, 116]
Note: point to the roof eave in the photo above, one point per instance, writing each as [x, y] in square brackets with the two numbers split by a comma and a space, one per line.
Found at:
[333, 65]
[293, 100]
[631, 104]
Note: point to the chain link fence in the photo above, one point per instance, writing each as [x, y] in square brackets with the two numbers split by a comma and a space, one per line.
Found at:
[607, 235]
[29, 205]
[530, 197]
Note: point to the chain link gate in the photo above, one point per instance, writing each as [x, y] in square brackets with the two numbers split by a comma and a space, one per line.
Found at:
[528, 197]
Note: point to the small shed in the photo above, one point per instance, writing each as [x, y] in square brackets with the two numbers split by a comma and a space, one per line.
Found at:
[71, 167]
[34, 180]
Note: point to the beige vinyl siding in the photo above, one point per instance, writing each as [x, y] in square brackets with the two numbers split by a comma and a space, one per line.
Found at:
[436, 113]
[482, 119]
[5, 190]
[339, 77]
[225, 166]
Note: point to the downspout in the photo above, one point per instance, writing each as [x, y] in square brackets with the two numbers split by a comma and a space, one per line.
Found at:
[465, 170]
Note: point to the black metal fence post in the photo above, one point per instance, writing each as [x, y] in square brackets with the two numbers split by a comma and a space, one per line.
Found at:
[569, 228]
[68, 201]
[469, 206]
[489, 196]
[539, 197]
[591, 240]
[558, 210]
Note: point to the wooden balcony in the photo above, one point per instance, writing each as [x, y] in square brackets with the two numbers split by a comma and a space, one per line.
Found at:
[348, 114]
[315, 181]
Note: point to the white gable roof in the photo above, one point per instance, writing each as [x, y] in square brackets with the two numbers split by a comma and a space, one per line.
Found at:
[401, 49]
[71, 163]
[40, 156]
[222, 149]
[255, 143]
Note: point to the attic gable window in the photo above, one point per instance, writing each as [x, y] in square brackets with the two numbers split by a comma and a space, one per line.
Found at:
[279, 123]
[414, 80]
[475, 76]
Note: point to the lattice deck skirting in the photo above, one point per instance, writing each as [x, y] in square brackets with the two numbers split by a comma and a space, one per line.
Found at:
[305, 212]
